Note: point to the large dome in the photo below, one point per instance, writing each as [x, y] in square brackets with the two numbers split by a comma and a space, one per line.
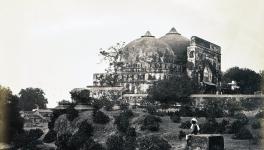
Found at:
[147, 49]
[178, 43]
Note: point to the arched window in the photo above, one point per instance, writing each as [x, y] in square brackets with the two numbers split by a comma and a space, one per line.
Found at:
[191, 55]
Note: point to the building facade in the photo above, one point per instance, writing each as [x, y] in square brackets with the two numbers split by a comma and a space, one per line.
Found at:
[149, 59]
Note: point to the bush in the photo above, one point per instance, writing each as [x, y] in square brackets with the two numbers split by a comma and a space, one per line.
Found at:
[115, 142]
[97, 104]
[128, 113]
[55, 115]
[260, 115]
[153, 143]
[256, 124]
[236, 126]
[151, 109]
[130, 143]
[243, 134]
[210, 126]
[131, 132]
[100, 117]
[90, 144]
[108, 105]
[151, 123]
[130, 139]
[175, 118]
[251, 104]
[181, 135]
[71, 112]
[160, 113]
[213, 108]
[35, 133]
[83, 134]
[186, 111]
[122, 123]
[62, 142]
[199, 112]
[242, 118]
[86, 128]
[223, 126]
[28, 139]
[50, 136]
[124, 106]
[185, 125]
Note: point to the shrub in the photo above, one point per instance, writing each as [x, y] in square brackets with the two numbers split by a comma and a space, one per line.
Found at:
[50, 136]
[236, 126]
[181, 135]
[86, 128]
[185, 125]
[90, 144]
[128, 113]
[115, 142]
[55, 115]
[97, 104]
[186, 111]
[71, 112]
[83, 134]
[213, 108]
[35, 134]
[257, 138]
[260, 115]
[130, 139]
[124, 106]
[175, 118]
[256, 124]
[130, 143]
[242, 118]
[153, 143]
[151, 123]
[108, 105]
[160, 113]
[210, 126]
[251, 104]
[76, 140]
[62, 142]
[243, 134]
[151, 109]
[223, 126]
[122, 122]
[28, 139]
[131, 132]
[100, 117]
[199, 112]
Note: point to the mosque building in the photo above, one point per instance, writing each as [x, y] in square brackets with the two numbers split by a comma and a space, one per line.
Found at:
[148, 59]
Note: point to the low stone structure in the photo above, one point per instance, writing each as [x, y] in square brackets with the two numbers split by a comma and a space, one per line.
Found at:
[206, 142]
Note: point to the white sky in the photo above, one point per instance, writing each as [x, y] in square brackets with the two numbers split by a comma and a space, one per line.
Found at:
[54, 44]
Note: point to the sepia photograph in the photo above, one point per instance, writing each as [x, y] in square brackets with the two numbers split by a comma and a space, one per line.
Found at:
[131, 75]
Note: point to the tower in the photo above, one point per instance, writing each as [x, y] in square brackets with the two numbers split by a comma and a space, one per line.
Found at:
[204, 61]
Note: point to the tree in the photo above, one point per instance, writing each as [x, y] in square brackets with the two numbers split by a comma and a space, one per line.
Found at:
[31, 98]
[11, 122]
[113, 57]
[262, 81]
[172, 90]
[80, 95]
[248, 80]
